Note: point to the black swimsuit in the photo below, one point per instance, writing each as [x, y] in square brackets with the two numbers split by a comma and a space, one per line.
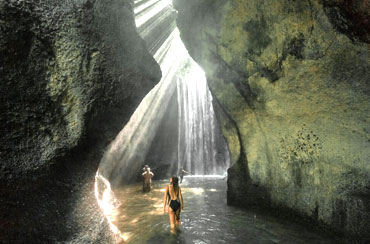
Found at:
[174, 204]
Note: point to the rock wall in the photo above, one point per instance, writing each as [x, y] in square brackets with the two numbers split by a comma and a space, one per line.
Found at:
[72, 73]
[292, 87]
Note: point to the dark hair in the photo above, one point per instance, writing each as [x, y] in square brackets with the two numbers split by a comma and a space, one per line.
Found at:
[175, 181]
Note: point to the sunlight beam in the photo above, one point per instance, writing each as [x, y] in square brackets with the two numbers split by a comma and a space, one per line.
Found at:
[149, 11]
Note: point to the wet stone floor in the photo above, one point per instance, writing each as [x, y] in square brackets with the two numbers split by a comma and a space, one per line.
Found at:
[206, 218]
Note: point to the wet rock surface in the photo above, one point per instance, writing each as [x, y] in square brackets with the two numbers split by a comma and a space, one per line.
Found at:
[352, 17]
[293, 99]
[72, 73]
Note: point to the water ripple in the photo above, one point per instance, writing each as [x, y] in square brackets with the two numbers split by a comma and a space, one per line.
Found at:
[206, 218]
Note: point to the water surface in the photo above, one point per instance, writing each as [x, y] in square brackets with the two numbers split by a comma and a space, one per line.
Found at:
[206, 218]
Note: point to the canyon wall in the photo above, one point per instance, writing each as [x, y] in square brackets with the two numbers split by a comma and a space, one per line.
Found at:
[72, 73]
[291, 84]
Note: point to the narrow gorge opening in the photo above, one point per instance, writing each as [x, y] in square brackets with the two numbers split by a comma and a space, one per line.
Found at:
[175, 125]
[173, 128]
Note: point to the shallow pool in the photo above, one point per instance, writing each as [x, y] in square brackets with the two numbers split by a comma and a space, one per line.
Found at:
[206, 218]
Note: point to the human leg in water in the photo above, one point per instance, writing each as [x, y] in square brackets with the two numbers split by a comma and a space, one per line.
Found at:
[172, 215]
[174, 211]
[177, 217]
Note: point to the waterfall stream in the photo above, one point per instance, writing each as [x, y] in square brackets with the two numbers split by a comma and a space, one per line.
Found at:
[198, 145]
[201, 148]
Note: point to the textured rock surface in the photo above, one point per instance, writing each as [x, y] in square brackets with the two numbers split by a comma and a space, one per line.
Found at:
[293, 89]
[72, 72]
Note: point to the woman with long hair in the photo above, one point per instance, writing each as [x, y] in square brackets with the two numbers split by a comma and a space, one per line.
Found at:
[173, 198]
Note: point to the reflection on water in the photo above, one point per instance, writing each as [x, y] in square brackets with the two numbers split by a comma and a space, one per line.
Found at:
[206, 218]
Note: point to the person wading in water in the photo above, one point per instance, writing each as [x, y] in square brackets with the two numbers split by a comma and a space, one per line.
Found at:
[181, 174]
[148, 175]
[173, 198]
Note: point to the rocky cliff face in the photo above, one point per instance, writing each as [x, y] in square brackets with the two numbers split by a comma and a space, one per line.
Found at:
[72, 73]
[292, 87]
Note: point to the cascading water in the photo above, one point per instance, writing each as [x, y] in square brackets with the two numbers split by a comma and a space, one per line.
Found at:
[201, 149]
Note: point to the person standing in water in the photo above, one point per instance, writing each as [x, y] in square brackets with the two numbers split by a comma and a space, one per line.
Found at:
[145, 167]
[173, 198]
[181, 173]
[148, 175]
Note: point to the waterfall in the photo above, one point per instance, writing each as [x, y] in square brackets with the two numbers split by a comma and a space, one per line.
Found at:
[198, 145]
[201, 148]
